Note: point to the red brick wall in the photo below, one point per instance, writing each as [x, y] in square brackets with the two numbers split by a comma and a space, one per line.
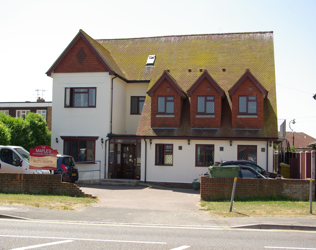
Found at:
[197, 122]
[243, 90]
[70, 63]
[221, 188]
[37, 184]
[168, 122]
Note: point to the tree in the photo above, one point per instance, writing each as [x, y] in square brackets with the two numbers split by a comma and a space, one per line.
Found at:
[5, 134]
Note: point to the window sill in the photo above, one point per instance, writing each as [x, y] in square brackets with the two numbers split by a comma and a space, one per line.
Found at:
[247, 116]
[205, 116]
[163, 165]
[165, 116]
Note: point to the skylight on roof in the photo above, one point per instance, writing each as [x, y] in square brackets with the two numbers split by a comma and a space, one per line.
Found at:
[151, 60]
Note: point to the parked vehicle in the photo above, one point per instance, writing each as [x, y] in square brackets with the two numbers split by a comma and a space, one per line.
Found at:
[252, 165]
[67, 168]
[15, 159]
[231, 171]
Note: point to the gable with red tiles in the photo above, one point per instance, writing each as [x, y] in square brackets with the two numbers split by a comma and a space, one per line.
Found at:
[206, 86]
[80, 58]
[166, 121]
[254, 121]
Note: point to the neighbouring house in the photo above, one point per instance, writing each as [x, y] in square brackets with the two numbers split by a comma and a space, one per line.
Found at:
[21, 109]
[301, 141]
[163, 109]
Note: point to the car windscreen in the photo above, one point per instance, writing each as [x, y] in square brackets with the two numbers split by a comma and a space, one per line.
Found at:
[68, 161]
[25, 155]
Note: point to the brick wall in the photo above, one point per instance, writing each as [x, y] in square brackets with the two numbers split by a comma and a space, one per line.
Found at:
[37, 184]
[49, 118]
[166, 122]
[221, 188]
[202, 122]
[243, 90]
[89, 63]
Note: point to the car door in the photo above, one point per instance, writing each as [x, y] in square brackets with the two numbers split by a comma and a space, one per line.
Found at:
[8, 161]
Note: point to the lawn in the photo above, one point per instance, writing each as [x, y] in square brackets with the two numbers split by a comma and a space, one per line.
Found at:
[285, 209]
[47, 201]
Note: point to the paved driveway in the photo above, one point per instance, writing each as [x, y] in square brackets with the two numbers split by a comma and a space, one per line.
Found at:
[144, 198]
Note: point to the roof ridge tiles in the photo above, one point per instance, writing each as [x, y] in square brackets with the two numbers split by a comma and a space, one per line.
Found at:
[188, 35]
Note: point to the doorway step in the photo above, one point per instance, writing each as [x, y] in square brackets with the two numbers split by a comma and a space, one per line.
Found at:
[119, 182]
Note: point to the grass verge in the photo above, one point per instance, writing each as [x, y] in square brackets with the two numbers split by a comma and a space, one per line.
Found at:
[283, 209]
[47, 201]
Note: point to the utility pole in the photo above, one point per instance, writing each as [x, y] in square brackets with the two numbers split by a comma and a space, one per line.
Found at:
[293, 122]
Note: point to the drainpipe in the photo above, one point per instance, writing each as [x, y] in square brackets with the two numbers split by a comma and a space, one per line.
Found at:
[112, 103]
[267, 156]
[145, 158]
[105, 172]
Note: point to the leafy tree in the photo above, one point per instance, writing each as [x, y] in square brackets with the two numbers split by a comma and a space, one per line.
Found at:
[4, 134]
[28, 133]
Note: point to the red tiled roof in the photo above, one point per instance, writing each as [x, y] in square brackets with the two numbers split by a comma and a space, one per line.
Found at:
[301, 140]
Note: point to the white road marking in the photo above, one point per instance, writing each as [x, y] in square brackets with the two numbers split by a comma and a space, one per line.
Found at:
[295, 248]
[61, 238]
[180, 248]
[43, 245]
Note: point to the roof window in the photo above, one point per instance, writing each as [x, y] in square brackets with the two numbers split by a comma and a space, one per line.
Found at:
[151, 60]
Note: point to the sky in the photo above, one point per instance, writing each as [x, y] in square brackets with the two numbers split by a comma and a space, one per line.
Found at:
[35, 32]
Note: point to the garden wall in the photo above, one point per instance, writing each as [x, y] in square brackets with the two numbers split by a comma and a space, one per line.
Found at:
[221, 188]
[38, 184]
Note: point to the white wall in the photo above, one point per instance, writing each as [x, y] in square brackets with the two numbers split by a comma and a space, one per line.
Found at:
[133, 89]
[183, 169]
[119, 107]
[82, 121]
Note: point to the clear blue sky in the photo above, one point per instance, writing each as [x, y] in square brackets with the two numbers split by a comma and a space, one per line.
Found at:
[35, 32]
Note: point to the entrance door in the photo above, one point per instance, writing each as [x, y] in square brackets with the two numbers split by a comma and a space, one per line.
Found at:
[128, 161]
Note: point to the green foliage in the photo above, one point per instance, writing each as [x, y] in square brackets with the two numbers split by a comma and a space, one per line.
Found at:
[5, 134]
[292, 148]
[28, 133]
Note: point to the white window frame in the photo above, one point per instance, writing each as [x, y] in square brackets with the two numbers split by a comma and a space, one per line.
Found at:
[42, 112]
[23, 113]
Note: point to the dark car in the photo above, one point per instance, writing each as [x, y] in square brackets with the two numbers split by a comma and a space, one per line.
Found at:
[243, 172]
[252, 165]
[67, 168]
[248, 172]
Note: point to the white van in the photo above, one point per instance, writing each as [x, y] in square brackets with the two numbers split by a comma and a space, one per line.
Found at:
[15, 159]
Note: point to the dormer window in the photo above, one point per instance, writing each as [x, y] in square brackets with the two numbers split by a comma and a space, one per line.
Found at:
[248, 105]
[151, 60]
[165, 105]
[205, 104]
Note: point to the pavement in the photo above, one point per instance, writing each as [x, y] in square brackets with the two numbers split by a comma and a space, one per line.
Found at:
[151, 206]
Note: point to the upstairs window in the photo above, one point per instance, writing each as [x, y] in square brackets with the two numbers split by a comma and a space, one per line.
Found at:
[248, 105]
[164, 154]
[205, 105]
[165, 105]
[80, 97]
[22, 113]
[42, 113]
[137, 103]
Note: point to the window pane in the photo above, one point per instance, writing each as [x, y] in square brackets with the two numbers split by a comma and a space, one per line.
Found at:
[91, 97]
[170, 107]
[242, 104]
[141, 104]
[139, 153]
[111, 153]
[252, 156]
[82, 150]
[209, 158]
[210, 107]
[201, 104]
[90, 151]
[200, 155]
[134, 105]
[80, 90]
[242, 153]
[161, 104]
[66, 149]
[159, 154]
[169, 98]
[252, 97]
[74, 150]
[252, 107]
[168, 156]
[247, 173]
[210, 98]
[80, 100]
